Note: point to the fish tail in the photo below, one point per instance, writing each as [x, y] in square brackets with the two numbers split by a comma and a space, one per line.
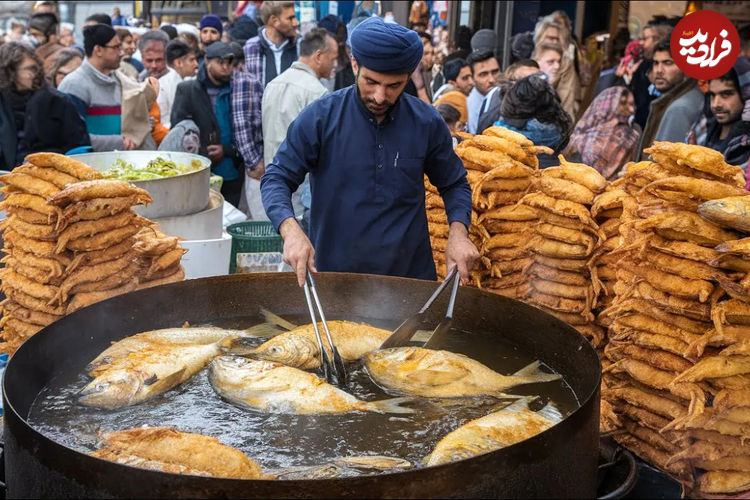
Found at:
[533, 372]
[392, 405]
[276, 320]
[273, 325]
[551, 413]
[238, 346]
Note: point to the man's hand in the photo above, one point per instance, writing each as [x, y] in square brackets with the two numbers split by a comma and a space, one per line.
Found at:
[128, 144]
[460, 251]
[215, 152]
[258, 171]
[298, 251]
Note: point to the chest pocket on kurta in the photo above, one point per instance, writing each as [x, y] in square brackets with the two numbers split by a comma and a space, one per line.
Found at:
[408, 178]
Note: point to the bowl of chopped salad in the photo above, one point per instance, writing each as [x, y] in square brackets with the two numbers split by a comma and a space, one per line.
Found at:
[177, 182]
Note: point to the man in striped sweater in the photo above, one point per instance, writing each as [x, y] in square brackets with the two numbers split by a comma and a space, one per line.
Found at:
[96, 91]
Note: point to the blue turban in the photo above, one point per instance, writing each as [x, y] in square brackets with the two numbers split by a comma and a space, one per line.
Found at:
[386, 48]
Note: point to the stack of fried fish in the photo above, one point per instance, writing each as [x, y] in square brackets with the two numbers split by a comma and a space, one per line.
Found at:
[508, 225]
[563, 244]
[69, 242]
[160, 257]
[670, 279]
[500, 168]
[98, 225]
[608, 210]
[35, 267]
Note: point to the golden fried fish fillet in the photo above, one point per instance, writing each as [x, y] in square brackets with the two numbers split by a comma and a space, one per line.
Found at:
[672, 284]
[697, 157]
[29, 201]
[499, 145]
[686, 226]
[648, 399]
[35, 231]
[578, 173]
[90, 228]
[510, 135]
[538, 270]
[30, 316]
[608, 200]
[164, 448]
[100, 188]
[51, 175]
[724, 482]
[701, 189]
[563, 208]
[103, 240]
[30, 184]
[564, 189]
[178, 275]
[31, 302]
[31, 216]
[84, 299]
[65, 164]
[558, 249]
[11, 278]
[518, 213]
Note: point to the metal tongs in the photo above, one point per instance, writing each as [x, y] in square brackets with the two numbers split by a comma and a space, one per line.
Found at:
[406, 330]
[334, 372]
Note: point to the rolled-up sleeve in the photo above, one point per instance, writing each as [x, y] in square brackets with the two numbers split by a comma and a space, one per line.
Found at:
[447, 173]
[296, 156]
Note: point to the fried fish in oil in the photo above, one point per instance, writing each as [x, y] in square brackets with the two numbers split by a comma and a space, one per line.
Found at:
[168, 450]
[425, 372]
[497, 430]
[275, 388]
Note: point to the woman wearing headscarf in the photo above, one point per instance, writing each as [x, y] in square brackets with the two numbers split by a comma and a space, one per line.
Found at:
[605, 138]
[531, 107]
[34, 116]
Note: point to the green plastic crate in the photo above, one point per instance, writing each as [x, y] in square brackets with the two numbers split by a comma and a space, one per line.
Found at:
[253, 237]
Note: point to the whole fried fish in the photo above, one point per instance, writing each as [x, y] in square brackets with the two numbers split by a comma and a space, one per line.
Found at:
[145, 365]
[275, 388]
[168, 450]
[299, 347]
[140, 341]
[492, 432]
[732, 212]
[443, 374]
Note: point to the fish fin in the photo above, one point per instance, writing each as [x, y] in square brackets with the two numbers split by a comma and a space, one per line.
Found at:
[392, 405]
[159, 385]
[276, 320]
[435, 377]
[264, 330]
[529, 370]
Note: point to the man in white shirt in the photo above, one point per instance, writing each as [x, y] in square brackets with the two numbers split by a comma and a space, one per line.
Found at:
[182, 62]
[289, 93]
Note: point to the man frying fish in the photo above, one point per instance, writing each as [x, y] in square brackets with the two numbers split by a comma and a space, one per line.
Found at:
[367, 148]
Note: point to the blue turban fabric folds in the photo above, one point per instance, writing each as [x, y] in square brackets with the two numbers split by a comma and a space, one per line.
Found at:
[386, 48]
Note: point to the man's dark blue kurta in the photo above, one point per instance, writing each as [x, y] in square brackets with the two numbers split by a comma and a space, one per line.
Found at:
[368, 198]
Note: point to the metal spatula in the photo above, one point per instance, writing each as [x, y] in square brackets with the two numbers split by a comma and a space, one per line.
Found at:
[406, 330]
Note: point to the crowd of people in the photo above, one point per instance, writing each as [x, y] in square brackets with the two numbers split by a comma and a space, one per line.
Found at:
[230, 91]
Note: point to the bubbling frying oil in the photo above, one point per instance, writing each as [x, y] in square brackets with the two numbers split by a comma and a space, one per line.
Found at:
[280, 441]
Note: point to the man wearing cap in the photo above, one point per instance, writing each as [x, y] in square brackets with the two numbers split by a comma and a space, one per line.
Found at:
[367, 148]
[208, 101]
[211, 30]
[96, 89]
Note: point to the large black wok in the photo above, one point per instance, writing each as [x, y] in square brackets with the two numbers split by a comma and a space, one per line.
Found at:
[560, 462]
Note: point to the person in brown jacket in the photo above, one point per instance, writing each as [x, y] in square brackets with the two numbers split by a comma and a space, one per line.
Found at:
[43, 28]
